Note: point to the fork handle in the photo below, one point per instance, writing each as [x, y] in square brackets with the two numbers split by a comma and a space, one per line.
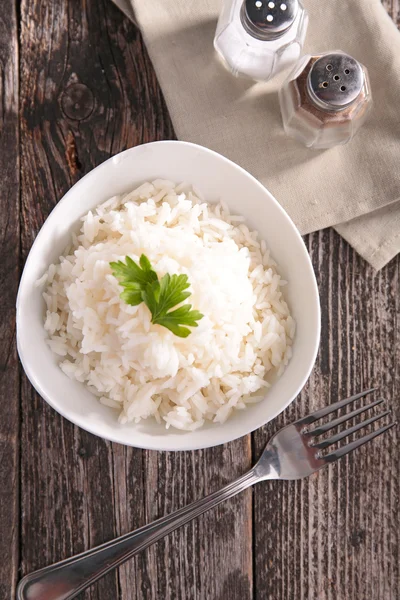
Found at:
[66, 579]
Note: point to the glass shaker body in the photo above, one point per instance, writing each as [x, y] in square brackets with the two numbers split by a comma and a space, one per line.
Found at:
[259, 38]
[325, 100]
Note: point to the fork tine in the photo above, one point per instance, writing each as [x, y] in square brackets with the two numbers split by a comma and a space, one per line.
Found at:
[344, 434]
[332, 424]
[353, 445]
[332, 408]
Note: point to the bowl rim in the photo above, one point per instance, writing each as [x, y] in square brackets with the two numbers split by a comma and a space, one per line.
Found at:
[92, 427]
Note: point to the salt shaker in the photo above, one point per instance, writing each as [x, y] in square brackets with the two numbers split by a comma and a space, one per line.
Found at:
[325, 100]
[259, 38]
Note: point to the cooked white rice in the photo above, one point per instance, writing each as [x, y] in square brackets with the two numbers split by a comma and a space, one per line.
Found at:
[143, 370]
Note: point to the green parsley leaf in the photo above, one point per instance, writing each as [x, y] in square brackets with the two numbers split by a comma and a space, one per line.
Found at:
[171, 293]
[145, 263]
[132, 294]
[181, 316]
[129, 272]
[151, 295]
[141, 284]
[133, 278]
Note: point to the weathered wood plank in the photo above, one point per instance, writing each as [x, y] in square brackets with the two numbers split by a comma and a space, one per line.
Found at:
[209, 558]
[9, 274]
[89, 91]
[336, 535]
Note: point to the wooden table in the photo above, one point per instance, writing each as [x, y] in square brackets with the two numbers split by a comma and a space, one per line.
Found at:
[76, 86]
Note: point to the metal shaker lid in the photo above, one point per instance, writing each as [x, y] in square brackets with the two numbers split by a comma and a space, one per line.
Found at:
[269, 19]
[335, 80]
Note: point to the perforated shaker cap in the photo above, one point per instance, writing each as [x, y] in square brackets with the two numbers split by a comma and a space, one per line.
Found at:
[269, 19]
[335, 81]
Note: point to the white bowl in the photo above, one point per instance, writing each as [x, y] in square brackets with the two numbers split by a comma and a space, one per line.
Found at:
[217, 178]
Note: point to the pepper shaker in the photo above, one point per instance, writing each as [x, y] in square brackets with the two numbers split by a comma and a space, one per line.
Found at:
[325, 100]
[259, 38]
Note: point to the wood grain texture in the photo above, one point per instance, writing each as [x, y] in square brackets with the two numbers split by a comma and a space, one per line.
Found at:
[9, 275]
[88, 91]
[335, 536]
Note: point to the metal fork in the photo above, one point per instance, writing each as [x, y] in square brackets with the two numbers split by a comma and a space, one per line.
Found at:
[296, 451]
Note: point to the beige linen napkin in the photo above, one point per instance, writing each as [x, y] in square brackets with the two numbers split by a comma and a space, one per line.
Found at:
[354, 187]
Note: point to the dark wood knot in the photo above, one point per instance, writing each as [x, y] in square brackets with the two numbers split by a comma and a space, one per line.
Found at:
[82, 452]
[357, 538]
[77, 102]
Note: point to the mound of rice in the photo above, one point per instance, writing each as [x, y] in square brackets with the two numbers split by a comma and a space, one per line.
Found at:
[143, 370]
